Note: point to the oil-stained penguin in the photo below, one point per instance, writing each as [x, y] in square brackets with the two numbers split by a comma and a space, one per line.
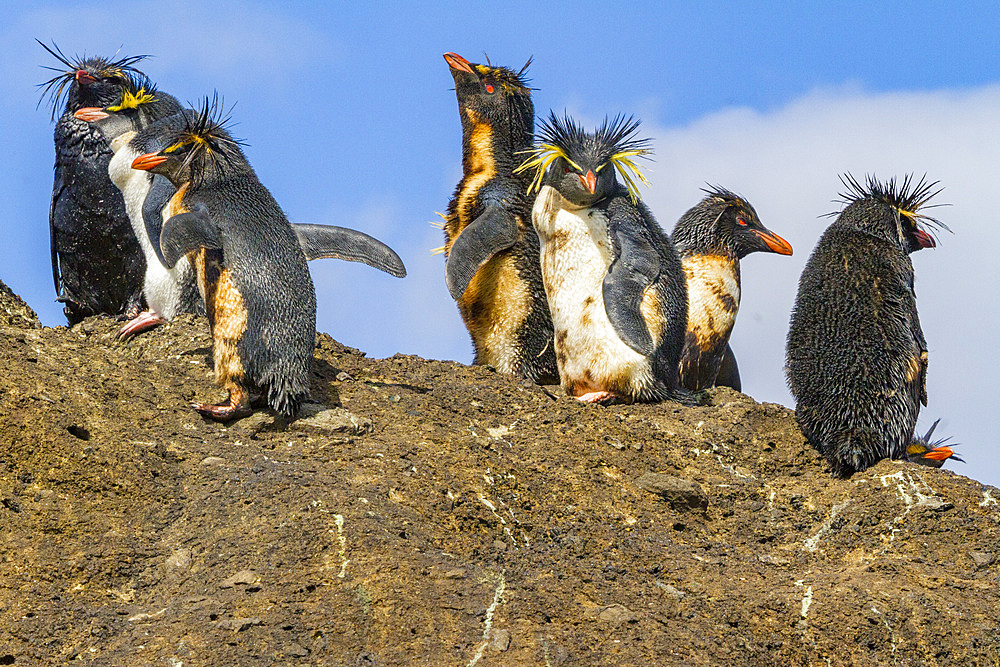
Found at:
[711, 239]
[97, 264]
[135, 126]
[614, 283]
[933, 454]
[250, 264]
[856, 355]
[492, 268]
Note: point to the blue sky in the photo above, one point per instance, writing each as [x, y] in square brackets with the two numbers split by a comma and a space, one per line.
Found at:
[350, 120]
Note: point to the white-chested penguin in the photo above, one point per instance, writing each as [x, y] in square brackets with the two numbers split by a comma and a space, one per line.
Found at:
[614, 283]
[711, 238]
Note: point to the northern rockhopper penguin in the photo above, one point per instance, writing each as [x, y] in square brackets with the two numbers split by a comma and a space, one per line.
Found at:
[614, 283]
[97, 264]
[933, 454]
[134, 126]
[492, 268]
[250, 264]
[856, 356]
[711, 239]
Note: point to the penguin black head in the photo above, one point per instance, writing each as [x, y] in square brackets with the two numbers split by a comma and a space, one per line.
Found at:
[138, 104]
[577, 163]
[199, 151]
[924, 452]
[724, 223]
[92, 81]
[496, 94]
[890, 210]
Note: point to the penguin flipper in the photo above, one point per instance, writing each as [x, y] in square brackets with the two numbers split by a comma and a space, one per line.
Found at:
[160, 192]
[188, 231]
[57, 188]
[729, 371]
[635, 267]
[494, 230]
[329, 241]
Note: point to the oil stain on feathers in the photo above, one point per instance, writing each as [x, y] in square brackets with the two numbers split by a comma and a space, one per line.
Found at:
[492, 268]
[614, 283]
[97, 265]
[856, 355]
[711, 239]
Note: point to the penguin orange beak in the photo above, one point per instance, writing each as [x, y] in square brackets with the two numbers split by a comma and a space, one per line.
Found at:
[91, 114]
[456, 61]
[924, 239]
[774, 242]
[83, 78]
[148, 161]
[589, 181]
[941, 454]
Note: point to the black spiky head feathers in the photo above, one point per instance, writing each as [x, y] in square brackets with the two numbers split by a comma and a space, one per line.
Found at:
[893, 210]
[725, 223]
[202, 149]
[85, 81]
[564, 146]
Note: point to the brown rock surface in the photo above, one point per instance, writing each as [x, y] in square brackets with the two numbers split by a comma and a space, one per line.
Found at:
[442, 514]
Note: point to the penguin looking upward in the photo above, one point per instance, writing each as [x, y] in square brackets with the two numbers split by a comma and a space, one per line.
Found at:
[492, 267]
[614, 283]
[711, 239]
[133, 127]
[926, 453]
[856, 355]
[97, 264]
[250, 264]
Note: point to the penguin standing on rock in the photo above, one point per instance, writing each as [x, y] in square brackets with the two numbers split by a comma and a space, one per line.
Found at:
[97, 264]
[134, 126]
[711, 239]
[492, 270]
[614, 283]
[251, 265]
[856, 355]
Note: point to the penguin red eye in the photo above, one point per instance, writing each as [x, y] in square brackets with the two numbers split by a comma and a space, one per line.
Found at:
[490, 88]
[741, 221]
[565, 170]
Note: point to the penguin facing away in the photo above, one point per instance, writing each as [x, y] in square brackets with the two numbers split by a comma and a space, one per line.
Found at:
[250, 264]
[614, 283]
[711, 239]
[933, 454]
[856, 355]
[97, 264]
[492, 268]
[132, 128]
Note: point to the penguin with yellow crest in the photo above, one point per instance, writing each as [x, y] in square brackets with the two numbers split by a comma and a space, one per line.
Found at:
[492, 268]
[614, 283]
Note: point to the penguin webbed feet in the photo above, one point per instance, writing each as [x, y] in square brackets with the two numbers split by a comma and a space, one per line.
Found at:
[598, 398]
[144, 321]
[237, 406]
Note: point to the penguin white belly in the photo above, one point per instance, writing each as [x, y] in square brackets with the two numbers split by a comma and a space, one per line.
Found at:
[161, 286]
[713, 284]
[575, 256]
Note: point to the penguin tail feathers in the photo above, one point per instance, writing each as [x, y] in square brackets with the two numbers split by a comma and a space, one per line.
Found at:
[284, 394]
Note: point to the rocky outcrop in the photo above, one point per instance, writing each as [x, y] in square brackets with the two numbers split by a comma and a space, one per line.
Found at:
[426, 512]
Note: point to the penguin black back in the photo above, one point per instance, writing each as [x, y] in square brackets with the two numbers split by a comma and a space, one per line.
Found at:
[711, 238]
[856, 355]
[258, 293]
[492, 268]
[97, 265]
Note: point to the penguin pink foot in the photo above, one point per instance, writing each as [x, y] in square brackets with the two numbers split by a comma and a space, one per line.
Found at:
[147, 319]
[599, 397]
[236, 406]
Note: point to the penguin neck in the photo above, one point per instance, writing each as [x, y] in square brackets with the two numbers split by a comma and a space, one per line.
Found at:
[493, 146]
[713, 283]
